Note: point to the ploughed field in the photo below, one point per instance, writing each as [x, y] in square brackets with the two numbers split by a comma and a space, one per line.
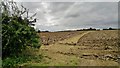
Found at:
[52, 37]
[79, 48]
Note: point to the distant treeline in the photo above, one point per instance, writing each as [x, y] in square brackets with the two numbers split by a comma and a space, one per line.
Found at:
[42, 31]
[88, 29]
[111, 29]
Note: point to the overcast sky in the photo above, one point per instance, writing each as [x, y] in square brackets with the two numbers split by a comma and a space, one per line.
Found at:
[54, 16]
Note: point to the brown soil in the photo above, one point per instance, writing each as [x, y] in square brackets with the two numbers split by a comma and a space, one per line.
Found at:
[80, 48]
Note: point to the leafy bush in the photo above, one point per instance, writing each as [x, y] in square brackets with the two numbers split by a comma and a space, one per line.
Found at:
[17, 32]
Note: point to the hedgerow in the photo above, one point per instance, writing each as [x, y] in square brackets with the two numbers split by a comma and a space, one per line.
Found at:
[17, 31]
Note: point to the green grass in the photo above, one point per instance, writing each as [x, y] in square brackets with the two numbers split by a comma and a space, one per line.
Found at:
[29, 55]
[0, 62]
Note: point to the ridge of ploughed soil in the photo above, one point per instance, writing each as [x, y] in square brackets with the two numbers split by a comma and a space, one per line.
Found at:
[87, 48]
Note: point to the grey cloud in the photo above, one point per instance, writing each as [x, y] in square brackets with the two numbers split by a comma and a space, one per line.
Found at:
[71, 15]
[32, 6]
[100, 13]
[60, 6]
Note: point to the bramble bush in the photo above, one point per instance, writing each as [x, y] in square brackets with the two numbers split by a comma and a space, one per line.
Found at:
[17, 33]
